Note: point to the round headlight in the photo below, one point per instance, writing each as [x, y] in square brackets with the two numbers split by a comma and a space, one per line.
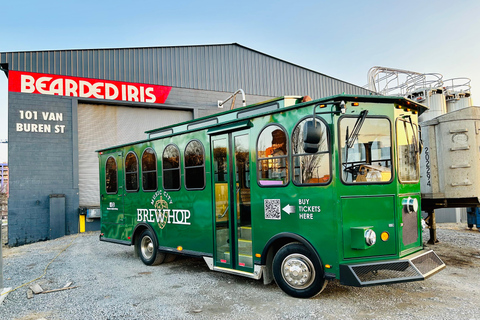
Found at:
[410, 205]
[370, 237]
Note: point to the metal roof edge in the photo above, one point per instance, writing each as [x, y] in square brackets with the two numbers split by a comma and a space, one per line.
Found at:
[185, 46]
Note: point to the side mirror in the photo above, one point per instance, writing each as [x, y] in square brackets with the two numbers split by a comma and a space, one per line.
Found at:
[312, 134]
[343, 109]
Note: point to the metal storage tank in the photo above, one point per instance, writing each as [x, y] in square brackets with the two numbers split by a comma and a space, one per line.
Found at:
[457, 94]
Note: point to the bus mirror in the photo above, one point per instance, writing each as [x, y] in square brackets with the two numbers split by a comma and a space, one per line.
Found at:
[343, 109]
[312, 134]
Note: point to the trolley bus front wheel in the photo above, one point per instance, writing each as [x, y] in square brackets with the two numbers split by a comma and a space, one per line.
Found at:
[298, 272]
[148, 249]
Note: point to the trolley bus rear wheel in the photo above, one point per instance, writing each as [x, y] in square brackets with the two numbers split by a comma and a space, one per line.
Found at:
[148, 249]
[298, 272]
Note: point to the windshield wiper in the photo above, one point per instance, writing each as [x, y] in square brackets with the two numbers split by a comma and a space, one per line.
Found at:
[350, 139]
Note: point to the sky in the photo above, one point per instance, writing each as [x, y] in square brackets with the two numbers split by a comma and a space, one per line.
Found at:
[342, 39]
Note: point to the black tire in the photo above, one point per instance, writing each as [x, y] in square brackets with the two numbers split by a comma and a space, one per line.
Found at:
[298, 272]
[147, 249]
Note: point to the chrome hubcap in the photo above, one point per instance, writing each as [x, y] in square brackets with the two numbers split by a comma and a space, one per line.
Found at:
[147, 247]
[298, 271]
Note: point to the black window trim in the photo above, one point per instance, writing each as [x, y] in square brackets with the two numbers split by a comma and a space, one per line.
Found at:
[190, 167]
[329, 152]
[138, 171]
[156, 171]
[258, 161]
[179, 168]
[116, 172]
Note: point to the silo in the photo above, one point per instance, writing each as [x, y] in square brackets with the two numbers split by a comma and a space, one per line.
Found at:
[457, 94]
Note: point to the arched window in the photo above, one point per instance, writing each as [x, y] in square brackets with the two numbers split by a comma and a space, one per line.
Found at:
[194, 165]
[131, 172]
[272, 156]
[171, 168]
[310, 168]
[111, 185]
[149, 170]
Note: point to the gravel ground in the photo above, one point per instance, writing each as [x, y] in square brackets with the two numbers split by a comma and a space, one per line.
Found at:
[113, 284]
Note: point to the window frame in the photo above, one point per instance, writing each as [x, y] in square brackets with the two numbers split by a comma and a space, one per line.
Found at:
[179, 168]
[116, 174]
[341, 155]
[329, 152]
[415, 126]
[190, 167]
[259, 160]
[149, 171]
[137, 172]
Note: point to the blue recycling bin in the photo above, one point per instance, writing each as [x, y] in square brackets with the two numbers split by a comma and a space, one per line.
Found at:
[473, 217]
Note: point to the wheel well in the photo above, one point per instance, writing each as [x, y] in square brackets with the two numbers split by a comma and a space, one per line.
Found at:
[278, 241]
[139, 228]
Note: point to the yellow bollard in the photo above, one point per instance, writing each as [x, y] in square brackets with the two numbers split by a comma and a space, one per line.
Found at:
[82, 223]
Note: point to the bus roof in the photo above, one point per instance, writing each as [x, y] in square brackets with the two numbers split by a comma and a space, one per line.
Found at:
[270, 106]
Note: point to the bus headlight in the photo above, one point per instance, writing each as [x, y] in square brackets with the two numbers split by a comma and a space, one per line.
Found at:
[410, 205]
[370, 237]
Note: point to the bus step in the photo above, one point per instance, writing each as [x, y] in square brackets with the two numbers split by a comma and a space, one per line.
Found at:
[245, 260]
[244, 246]
[245, 233]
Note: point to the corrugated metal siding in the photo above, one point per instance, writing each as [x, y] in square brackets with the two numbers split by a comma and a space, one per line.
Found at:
[101, 126]
[210, 67]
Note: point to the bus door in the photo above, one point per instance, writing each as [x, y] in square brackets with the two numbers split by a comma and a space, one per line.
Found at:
[368, 186]
[231, 196]
[112, 194]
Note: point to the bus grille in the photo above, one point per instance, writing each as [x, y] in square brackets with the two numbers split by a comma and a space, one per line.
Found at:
[417, 268]
[427, 263]
[410, 228]
[385, 271]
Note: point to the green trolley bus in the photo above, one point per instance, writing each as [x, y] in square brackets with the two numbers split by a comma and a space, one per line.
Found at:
[291, 190]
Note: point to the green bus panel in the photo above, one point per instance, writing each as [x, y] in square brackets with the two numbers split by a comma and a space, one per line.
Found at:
[376, 213]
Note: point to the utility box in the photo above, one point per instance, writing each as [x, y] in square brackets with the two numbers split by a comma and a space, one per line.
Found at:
[450, 161]
[57, 216]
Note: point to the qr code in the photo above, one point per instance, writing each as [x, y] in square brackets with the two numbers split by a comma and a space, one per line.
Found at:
[272, 209]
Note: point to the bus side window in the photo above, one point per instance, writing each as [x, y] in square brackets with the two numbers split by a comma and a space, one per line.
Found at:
[171, 168]
[194, 165]
[310, 168]
[111, 185]
[131, 172]
[272, 156]
[149, 170]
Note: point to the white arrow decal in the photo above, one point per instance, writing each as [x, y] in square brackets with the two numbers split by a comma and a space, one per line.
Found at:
[289, 209]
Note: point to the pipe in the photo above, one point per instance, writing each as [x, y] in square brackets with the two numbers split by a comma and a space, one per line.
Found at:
[221, 103]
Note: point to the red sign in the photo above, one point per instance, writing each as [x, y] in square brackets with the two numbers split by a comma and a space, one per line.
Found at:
[41, 83]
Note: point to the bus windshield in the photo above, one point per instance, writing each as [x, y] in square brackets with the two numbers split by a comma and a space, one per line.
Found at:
[366, 156]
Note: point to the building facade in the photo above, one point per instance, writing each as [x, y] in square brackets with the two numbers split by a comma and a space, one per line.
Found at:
[65, 104]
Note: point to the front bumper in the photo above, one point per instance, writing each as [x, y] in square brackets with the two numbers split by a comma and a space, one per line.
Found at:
[415, 267]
